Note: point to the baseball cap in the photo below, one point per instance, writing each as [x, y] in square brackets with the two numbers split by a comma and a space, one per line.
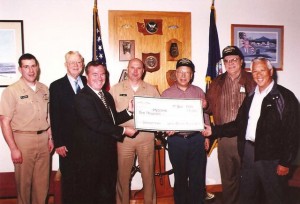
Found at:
[185, 62]
[231, 50]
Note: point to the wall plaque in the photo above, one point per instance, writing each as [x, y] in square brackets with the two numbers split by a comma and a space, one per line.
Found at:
[151, 61]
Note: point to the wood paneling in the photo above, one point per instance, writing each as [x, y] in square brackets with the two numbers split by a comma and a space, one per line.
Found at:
[176, 25]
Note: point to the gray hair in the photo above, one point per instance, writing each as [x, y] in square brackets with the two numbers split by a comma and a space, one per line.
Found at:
[68, 54]
[261, 59]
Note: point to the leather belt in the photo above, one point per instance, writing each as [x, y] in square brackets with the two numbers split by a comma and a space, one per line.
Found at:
[30, 132]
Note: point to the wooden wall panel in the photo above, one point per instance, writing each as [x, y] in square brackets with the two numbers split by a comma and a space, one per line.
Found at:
[176, 25]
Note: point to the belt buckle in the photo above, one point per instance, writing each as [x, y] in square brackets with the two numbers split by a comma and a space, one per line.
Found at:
[39, 132]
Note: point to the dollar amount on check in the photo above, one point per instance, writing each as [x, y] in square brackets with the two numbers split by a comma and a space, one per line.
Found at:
[161, 114]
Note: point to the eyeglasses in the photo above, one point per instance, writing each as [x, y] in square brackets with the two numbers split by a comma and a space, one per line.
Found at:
[74, 63]
[234, 60]
[183, 73]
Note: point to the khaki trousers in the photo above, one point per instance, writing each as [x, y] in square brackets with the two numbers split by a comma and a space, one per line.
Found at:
[143, 147]
[32, 176]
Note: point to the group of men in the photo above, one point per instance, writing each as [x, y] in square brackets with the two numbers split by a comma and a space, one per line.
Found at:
[93, 132]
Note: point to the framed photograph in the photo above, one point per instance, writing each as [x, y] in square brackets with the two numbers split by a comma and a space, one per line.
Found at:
[126, 50]
[259, 40]
[124, 75]
[11, 48]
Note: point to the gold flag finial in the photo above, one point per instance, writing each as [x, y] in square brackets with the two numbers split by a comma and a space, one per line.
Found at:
[212, 4]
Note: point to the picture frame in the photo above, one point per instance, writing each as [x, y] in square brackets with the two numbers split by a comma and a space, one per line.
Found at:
[126, 50]
[259, 40]
[11, 48]
[124, 75]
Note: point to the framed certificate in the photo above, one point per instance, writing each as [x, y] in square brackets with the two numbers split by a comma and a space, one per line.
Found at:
[161, 114]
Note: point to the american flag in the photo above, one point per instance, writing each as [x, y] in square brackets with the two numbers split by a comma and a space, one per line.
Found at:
[98, 51]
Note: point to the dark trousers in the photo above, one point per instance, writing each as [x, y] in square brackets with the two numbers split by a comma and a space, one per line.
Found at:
[188, 158]
[67, 179]
[230, 166]
[260, 182]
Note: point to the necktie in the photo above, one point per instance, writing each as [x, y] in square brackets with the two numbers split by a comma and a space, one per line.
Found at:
[77, 87]
[103, 99]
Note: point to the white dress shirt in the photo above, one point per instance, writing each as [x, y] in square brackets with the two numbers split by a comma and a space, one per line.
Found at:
[255, 110]
[73, 82]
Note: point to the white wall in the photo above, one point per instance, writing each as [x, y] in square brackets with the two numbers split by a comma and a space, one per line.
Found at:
[53, 27]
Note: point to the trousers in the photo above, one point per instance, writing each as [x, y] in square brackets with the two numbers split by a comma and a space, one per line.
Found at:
[188, 158]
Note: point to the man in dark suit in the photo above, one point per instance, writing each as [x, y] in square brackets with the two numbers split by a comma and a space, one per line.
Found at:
[63, 120]
[95, 148]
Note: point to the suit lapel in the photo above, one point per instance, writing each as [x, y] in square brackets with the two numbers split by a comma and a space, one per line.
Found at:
[68, 86]
[100, 106]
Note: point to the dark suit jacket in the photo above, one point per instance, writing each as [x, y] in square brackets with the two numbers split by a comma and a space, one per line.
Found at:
[63, 121]
[95, 150]
[62, 113]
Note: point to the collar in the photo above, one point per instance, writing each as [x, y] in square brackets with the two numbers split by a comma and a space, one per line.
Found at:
[266, 90]
[176, 85]
[72, 80]
[126, 84]
[26, 87]
[94, 90]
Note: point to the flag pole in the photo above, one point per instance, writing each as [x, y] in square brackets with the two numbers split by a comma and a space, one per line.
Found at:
[95, 11]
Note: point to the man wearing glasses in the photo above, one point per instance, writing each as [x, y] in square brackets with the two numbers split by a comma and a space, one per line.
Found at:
[187, 149]
[63, 118]
[225, 96]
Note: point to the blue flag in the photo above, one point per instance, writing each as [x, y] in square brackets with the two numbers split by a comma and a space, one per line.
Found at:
[214, 67]
[98, 50]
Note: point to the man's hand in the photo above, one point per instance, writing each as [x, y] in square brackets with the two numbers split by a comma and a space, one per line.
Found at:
[207, 131]
[130, 131]
[282, 170]
[16, 156]
[170, 132]
[62, 151]
[204, 103]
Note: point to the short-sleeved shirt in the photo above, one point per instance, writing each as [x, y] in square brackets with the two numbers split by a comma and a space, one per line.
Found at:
[123, 93]
[27, 109]
[192, 92]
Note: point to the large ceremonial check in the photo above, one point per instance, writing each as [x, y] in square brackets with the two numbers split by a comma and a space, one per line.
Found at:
[160, 114]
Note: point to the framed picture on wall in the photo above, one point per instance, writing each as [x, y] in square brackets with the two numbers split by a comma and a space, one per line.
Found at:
[124, 75]
[126, 50]
[259, 40]
[11, 48]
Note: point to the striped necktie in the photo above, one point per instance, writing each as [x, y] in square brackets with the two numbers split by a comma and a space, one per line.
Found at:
[77, 87]
[103, 99]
